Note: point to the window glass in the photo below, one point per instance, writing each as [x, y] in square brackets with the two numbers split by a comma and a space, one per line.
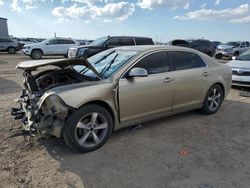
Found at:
[143, 41]
[5, 40]
[244, 56]
[53, 41]
[113, 42]
[127, 41]
[65, 41]
[243, 45]
[106, 62]
[154, 63]
[185, 60]
[247, 44]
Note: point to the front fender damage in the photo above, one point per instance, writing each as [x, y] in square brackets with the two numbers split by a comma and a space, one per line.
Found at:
[53, 113]
[46, 116]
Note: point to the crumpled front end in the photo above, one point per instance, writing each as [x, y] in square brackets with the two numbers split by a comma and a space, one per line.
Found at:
[45, 115]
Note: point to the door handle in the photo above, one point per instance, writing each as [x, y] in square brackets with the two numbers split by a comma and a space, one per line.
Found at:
[167, 80]
[205, 74]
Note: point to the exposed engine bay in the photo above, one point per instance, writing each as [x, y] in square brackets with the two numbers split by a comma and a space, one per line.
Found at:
[47, 79]
[39, 111]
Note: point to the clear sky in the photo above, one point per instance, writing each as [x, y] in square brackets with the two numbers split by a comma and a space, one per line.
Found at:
[163, 20]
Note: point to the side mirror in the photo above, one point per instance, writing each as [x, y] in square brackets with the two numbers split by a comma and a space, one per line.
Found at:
[137, 72]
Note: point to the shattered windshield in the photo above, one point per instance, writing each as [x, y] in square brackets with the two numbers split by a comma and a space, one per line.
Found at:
[106, 62]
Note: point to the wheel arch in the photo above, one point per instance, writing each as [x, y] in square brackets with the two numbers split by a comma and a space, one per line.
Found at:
[37, 49]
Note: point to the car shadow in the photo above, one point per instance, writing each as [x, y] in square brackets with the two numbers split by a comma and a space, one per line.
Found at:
[168, 152]
[8, 86]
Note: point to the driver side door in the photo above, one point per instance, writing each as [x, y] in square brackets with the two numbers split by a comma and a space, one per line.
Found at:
[142, 98]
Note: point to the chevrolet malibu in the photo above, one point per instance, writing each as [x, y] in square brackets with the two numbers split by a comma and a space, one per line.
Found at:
[85, 101]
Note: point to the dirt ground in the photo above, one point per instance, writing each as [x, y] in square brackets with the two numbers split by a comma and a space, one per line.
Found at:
[190, 150]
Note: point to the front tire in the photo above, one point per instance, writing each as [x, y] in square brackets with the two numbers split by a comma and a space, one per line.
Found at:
[88, 128]
[213, 99]
[36, 54]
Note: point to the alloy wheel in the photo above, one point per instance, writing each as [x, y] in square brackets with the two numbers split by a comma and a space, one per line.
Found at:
[12, 50]
[91, 129]
[214, 99]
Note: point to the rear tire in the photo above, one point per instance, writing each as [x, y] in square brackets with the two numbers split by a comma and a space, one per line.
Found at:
[11, 50]
[36, 54]
[88, 128]
[213, 99]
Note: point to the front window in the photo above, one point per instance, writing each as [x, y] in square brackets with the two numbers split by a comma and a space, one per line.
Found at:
[99, 42]
[106, 62]
[244, 56]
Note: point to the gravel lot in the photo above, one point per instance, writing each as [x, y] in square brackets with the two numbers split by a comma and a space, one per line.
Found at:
[188, 150]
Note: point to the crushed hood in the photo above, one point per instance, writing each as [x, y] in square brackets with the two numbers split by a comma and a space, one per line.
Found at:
[62, 63]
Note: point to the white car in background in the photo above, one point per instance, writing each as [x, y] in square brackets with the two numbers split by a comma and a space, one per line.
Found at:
[241, 69]
[55, 46]
[231, 49]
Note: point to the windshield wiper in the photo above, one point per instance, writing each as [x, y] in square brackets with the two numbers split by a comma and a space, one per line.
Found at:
[107, 67]
[104, 57]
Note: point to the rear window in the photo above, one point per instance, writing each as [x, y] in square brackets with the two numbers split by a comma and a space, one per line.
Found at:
[144, 41]
[65, 41]
[127, 41]
[185, 60]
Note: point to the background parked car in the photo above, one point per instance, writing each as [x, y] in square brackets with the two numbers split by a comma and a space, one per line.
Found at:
[25, 41]
[216, 43]
[9, 45]
[55, 46]
[241, 69]
[179, 42]
[105, 43]
[231, 49]
[204, 46]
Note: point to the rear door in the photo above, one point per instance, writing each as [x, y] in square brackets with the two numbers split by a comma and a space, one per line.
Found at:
[191, 79]
[64, 45]
[140, 98]
[51, 47]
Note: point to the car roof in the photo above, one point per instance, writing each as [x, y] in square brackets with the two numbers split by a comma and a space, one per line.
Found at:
[142, 48]
[129, 36]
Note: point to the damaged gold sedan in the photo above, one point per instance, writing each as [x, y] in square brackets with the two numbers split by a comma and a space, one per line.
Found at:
[86, 100]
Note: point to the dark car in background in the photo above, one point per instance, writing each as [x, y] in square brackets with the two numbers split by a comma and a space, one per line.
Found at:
[179, 42]
[105, 43]
[204, 46]
[9, 45]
